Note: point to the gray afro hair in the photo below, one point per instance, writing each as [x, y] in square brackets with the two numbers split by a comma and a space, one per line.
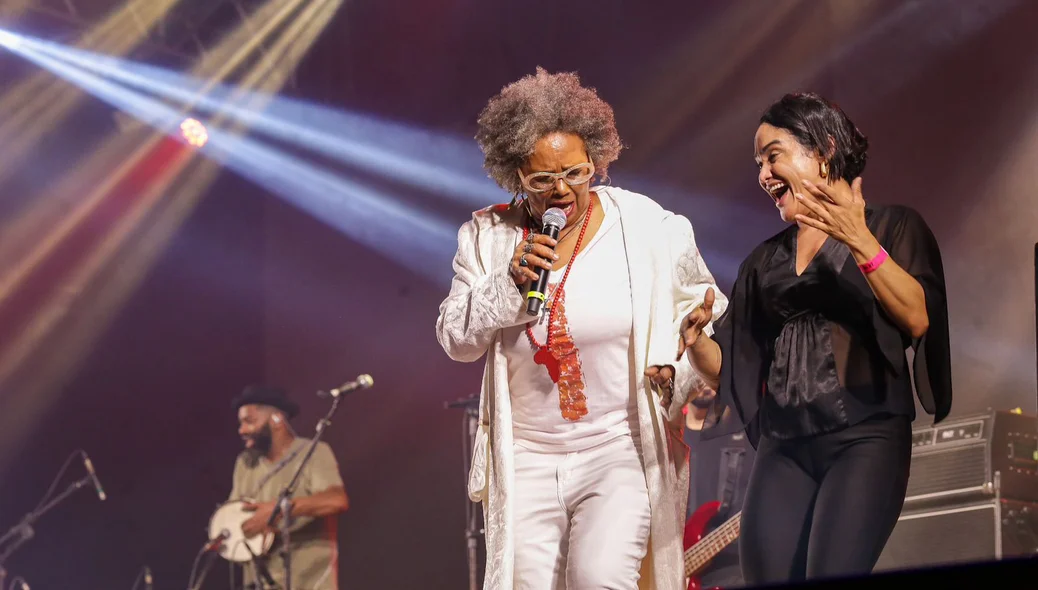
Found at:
[535, 106]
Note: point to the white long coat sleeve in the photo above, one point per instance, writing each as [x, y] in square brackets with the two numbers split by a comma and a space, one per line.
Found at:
[483, 299]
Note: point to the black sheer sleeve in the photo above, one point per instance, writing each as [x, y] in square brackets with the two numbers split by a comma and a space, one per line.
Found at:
[910, 243]
[744, 357]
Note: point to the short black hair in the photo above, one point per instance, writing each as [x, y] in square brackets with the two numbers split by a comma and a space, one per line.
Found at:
[822, 127]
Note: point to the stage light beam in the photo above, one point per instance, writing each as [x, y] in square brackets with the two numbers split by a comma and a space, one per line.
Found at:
[9, 40]
[438, 163]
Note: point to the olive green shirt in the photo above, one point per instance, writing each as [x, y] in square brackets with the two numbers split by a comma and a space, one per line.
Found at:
[313, 541]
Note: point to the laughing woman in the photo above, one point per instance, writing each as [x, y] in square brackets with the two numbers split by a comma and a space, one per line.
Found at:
[811, 353]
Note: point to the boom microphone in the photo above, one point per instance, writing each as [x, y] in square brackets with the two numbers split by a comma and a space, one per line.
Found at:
[93, 477]
[554, 221]
[362, 382]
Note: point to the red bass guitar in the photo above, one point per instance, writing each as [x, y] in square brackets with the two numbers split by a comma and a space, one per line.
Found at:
[700, 548]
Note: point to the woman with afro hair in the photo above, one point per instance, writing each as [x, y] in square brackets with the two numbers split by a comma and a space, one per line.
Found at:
[579, 460]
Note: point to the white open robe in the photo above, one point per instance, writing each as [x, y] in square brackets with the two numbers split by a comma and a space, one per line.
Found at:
[668, 279]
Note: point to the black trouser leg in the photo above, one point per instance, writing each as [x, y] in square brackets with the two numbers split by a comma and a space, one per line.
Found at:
[824, 506]
[860, 497]
[776, 517]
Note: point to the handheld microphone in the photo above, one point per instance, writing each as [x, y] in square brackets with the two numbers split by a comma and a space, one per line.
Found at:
[93, 477]
[554, 220]
[363, 382]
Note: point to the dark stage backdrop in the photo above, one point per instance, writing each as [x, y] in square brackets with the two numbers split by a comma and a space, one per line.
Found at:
[151, 406]
[254, 289]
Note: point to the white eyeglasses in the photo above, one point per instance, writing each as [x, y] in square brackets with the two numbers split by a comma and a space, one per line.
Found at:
[540, 182]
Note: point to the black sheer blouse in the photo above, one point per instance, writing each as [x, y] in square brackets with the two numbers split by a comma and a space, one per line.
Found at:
[809, 354]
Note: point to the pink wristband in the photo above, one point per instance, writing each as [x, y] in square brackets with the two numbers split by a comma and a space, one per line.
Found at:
[875, 262]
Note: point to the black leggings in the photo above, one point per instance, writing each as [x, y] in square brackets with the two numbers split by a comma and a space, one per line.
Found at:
[824, 506]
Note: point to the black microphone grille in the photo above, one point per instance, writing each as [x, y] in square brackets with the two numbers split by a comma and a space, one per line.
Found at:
[554, 217]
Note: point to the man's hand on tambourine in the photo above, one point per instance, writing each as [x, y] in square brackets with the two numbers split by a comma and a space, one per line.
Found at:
[257, 523]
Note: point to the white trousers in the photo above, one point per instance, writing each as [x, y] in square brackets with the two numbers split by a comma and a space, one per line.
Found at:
[581, 519]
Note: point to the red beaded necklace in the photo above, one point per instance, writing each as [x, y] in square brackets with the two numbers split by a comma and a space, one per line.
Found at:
[543, 356]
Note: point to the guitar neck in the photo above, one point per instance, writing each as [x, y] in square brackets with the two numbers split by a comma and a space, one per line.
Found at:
[700, 554]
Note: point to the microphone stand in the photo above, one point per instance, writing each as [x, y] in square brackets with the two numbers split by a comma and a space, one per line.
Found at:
[263, 577]
[23, 531]
[473, 512]
[283, 506]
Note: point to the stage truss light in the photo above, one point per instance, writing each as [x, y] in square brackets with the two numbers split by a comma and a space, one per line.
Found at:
[194, 132]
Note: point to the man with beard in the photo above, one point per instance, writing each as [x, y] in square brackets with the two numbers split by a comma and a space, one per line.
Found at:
[272, 454]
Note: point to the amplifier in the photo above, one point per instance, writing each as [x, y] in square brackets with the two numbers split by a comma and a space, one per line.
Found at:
[970, 457]
[968, 532]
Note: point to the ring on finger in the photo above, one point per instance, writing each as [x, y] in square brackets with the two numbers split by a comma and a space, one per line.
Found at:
[522, 261]
[528, 248]
[530, 237]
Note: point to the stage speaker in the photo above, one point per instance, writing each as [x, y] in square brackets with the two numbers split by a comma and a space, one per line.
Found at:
[954, 534]
[962, 460]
